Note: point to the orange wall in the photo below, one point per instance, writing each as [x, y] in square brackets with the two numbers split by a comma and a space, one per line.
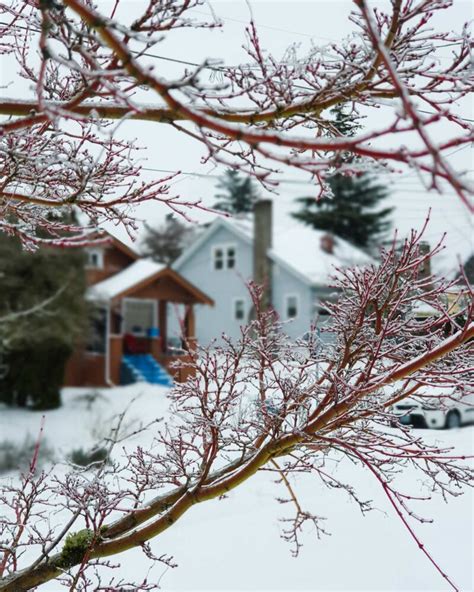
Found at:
[85, 369]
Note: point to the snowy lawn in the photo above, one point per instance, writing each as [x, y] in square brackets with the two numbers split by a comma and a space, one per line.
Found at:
[234, 544]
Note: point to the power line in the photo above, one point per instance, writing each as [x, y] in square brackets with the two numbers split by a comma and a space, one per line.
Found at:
[271, 28]
[224, 69]
[309, 35]
[279, 181]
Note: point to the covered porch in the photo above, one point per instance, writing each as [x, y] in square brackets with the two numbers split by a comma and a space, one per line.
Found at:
[129, 327]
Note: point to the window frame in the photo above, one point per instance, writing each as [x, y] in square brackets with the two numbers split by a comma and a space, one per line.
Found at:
[225, 248]
[216, 248]
[100, 258]
[236, 300]
[297, 302]
[228, 247]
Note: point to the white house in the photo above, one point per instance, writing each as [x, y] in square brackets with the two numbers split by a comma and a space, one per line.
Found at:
[298, 261]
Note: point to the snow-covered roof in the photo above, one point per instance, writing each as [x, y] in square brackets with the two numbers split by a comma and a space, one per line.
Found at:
[137, 272]
[298, 247]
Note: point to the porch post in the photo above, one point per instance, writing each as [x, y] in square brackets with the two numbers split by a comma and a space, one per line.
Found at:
[190, 327]
[162, 323]
[108, 321]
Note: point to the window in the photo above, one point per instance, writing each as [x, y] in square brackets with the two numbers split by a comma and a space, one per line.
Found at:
[291, 307]
[239, 309]
[218, 258]
[224, 257]
[230, 252]
[95, 258]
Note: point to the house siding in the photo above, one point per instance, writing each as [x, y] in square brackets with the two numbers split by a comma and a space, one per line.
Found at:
[223, 286]
[288, 279]
[318, 297]
[114, 261]
[286, 284]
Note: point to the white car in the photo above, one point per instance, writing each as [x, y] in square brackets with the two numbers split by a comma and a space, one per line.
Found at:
[429, 413]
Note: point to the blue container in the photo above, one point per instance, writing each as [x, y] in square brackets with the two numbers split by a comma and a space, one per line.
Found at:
[153, 332]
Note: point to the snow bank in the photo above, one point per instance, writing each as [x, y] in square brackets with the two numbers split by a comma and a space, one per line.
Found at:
[234, 544]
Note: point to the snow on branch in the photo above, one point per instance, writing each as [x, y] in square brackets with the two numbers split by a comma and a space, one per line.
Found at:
[263, 402]
[61, 148]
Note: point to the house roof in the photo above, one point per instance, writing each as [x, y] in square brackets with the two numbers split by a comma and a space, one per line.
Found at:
[138, 275]
[300, 247]
[123, 247]
[296, 247]
[110, 239]
[124, 280]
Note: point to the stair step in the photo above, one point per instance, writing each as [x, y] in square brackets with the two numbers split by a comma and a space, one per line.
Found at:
[143, 367]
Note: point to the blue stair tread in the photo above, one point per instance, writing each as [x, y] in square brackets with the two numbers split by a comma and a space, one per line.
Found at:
[144, 367]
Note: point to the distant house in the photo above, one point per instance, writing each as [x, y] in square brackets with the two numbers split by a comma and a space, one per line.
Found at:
[296, 261]
[128, 337]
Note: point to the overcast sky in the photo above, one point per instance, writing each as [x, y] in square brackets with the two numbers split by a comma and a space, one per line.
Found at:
[280, 24]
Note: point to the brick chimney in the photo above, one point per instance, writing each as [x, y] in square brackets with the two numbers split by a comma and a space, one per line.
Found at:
[425, 268]
[262, 242]
[327, 243]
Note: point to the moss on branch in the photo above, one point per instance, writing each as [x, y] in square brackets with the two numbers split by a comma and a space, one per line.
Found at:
[75, 547]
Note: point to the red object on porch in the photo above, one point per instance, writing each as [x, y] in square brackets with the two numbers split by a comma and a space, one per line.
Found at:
[130, 343]
[134, 345]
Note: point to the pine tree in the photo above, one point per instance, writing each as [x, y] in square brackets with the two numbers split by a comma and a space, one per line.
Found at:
[351, 213]
[165, 243]
[239, 193]
[43, 295]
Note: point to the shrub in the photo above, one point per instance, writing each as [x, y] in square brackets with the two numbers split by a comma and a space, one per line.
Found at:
[35, 376]
[86, 458]
[90, 398]
[16, 456]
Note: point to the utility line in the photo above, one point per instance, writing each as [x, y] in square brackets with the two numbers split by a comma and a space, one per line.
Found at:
[453, 44]
[280, 181]
[271, 28]
[281, 30]
[223, 69]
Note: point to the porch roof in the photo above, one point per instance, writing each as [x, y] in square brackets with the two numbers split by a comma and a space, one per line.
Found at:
[140, 274]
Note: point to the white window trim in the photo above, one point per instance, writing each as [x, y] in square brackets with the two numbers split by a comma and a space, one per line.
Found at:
[216, 248]
[224, 248]
[155, 310]
[100, 258]
[234, 309]
[226, 255]
[287, 298]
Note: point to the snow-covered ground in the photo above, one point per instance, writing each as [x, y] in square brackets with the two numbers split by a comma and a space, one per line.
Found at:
[234, 544]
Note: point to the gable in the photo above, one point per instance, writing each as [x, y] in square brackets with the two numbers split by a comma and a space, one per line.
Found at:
[200, 252]
[147, 279]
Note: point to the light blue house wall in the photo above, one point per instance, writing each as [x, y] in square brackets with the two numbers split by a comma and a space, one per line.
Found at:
[224, 286]
[286, 284]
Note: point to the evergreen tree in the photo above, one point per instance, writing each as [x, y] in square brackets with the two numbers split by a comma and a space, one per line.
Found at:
[43, 295]
[352, 212]
[165, 243]
[239, 193]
